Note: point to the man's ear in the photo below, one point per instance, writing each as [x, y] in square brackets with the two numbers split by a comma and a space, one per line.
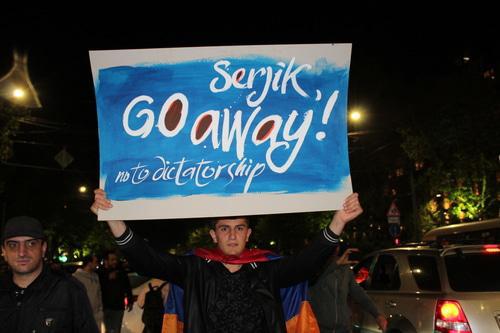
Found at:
[44, 248]
[249, 232]
[213, 235]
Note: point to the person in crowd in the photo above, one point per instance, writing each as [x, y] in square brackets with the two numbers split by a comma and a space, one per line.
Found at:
[151, 300]
[88, 277]
[229, 288]
[33, 298]
[330, 291]
[116, 292]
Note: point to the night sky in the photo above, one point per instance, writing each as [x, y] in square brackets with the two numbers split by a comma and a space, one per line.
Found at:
[393, 49]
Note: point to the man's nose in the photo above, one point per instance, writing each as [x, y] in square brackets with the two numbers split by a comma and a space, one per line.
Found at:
[22, 249]
[232, 233]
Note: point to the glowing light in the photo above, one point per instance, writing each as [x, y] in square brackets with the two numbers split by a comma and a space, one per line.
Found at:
[355, 115]
[16, 86]
[450, 311]
[82, 189]
[18, 93]
[491, 249]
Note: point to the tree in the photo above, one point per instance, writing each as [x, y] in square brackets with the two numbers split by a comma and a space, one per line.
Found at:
[454, 134]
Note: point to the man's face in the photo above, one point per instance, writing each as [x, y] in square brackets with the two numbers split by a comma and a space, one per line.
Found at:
[24, 254]
[94, 263]
[231, 235]
[112, 261]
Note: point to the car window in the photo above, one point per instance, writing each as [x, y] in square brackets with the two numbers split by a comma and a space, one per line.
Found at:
[385, 274]
[473, 271]
[361, 271]
[425, 272]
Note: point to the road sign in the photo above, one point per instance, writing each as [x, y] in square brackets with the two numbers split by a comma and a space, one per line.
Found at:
[393, 214]
[394, 229]
[64, 158]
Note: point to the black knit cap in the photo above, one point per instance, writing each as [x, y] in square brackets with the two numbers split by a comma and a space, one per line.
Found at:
[22, 226]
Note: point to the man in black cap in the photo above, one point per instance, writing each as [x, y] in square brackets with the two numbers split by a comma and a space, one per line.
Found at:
[32, 297]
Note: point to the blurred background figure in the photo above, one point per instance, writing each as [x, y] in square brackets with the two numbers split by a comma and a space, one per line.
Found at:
[116, 292]
[329, 294]
[88, 277]
[152, 299]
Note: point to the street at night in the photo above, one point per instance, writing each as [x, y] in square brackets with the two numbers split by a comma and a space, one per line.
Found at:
[423, 139]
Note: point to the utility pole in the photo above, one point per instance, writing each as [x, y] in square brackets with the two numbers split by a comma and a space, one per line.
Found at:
[416, 222]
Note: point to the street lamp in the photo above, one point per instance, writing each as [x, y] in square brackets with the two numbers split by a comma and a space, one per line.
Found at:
[16, 86]
[355, 116]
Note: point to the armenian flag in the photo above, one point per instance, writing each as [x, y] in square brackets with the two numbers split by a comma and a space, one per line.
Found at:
[296, 307]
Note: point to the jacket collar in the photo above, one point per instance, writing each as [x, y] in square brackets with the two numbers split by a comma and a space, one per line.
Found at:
[7, 281]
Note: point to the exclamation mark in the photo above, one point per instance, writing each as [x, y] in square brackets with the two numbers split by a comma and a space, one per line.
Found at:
[326, 113]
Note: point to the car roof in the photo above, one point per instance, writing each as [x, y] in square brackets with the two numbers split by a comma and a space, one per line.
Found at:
[434, 249]
[406, 249]
[433, 234]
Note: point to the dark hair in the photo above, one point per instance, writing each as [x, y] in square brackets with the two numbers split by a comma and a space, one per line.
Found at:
[213, 222]
[87, 259]
[108, 252]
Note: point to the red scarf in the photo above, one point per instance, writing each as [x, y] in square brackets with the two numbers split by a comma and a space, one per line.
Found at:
[247, 256]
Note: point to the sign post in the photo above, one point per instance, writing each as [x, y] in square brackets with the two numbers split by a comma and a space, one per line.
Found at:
[394, 220]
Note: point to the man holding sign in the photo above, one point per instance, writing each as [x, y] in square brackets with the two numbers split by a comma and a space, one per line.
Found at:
[225, 131]
[230, 289]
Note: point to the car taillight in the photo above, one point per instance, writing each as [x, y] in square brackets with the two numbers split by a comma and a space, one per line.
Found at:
[362, 275]
[491, 249]
[450, 318]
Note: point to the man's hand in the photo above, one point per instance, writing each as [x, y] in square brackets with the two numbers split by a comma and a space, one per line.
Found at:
[351, 209]
[101, 202]
[381, 322]
[344, 259]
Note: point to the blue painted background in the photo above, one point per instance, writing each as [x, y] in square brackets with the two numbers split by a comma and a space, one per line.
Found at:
[320, 165]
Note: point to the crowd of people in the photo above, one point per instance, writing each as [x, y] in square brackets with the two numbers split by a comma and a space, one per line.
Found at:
[229, 288]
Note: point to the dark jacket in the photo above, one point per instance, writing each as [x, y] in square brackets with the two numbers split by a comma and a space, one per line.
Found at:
[198, 277]
[53, 302]
[114, 290]
[329, 298]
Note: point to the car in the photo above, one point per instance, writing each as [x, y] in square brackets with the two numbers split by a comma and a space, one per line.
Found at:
[478, 232]
[429, 288]
[132, 320]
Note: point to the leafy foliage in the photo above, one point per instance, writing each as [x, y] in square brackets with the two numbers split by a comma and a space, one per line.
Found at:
[456, 136]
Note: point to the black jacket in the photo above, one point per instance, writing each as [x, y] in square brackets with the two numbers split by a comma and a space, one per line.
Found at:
[329, 298]
[198, 277]
[115, 290]
[54, 302]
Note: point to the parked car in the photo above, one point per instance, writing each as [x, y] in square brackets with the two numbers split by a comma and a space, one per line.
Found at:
[428, 288]
[132, 321]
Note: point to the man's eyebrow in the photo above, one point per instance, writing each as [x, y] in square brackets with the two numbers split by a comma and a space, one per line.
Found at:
[17, 241]
[228, 226]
